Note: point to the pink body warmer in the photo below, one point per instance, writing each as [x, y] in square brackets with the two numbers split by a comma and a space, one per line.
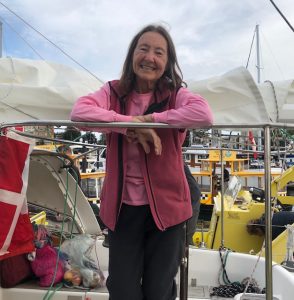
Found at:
[164, 178]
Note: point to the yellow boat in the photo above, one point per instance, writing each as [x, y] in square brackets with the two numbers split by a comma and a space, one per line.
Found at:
[227, 227]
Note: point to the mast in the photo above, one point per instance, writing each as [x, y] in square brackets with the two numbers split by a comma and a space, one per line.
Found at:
[267, 177]
[0, 39]
[258, 68]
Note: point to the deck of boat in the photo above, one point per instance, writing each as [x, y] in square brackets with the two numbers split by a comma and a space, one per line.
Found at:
[194, 293]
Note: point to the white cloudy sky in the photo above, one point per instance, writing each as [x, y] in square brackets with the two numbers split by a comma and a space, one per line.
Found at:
[211, 36]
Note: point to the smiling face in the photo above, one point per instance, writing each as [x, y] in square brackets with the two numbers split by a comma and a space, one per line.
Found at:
[149, 60]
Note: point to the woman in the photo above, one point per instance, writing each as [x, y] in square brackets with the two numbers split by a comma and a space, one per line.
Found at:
[145, 197]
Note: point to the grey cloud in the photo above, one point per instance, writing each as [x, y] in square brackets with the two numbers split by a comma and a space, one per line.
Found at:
[211, 37]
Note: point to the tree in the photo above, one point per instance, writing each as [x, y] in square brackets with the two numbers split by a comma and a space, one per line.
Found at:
[71, 134]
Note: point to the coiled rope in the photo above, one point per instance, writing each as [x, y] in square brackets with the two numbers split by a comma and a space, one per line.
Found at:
[231, 289]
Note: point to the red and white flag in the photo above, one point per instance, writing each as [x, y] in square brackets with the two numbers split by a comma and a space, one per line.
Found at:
[16, 232]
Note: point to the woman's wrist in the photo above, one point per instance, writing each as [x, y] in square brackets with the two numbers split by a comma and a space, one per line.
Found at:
[148, 118]
[145, 118]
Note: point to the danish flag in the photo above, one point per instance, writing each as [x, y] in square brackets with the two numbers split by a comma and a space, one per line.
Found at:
[16, 232]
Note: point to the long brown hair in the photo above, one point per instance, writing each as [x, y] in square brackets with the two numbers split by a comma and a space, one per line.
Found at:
[172, 75]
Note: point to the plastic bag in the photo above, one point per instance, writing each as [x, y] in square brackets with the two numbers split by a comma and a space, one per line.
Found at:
[232, 191]
[79, 251]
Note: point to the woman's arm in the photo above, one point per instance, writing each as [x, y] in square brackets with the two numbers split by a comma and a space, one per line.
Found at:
[95, 108]
[190, 111]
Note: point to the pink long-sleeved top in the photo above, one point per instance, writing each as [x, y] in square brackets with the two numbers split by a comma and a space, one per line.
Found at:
[190, 110]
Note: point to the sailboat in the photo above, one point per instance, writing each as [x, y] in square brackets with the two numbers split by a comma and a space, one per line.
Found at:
[232, 96]
[48, 181]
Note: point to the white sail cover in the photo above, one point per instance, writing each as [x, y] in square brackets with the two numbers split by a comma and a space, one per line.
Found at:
[279, 98]
[40, 90]
[234, 98]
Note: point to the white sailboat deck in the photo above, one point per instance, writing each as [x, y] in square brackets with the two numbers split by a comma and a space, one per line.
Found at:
[31, 288]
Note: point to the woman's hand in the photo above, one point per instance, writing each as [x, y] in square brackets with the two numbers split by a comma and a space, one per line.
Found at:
[145, 119]
[144, 136]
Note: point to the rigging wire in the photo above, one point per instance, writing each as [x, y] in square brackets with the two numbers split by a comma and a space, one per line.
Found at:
[28, 44]
[250, 49]
[274, 58]
[52, 43]
[285, 19]
[258, 65]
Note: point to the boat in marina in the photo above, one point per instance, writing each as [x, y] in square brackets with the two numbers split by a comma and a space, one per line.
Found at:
[40, 94]
[52, 188]
[236, 214]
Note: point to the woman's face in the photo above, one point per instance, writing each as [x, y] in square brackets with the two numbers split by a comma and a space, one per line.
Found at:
[149, 60]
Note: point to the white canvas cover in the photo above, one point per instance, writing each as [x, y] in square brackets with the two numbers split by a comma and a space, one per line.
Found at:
[41, 90]
[279, 98]
[234, 98]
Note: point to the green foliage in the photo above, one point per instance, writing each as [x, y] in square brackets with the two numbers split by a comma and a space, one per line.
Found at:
[71, 134]
[89, 138]
[102, 139]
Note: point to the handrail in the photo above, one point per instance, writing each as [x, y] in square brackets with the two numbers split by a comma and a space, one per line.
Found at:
[136, 125]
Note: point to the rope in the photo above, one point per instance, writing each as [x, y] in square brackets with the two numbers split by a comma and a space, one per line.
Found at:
[231, 289]
[49, 295]
[223, 271]
[51, 291]
[250, 49]
[281, 14]
[19, 35]
[253, 271]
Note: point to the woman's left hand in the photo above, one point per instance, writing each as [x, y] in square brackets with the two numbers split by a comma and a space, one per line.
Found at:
[146, 136]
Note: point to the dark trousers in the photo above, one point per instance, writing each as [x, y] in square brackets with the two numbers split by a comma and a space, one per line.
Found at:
[143, 261]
